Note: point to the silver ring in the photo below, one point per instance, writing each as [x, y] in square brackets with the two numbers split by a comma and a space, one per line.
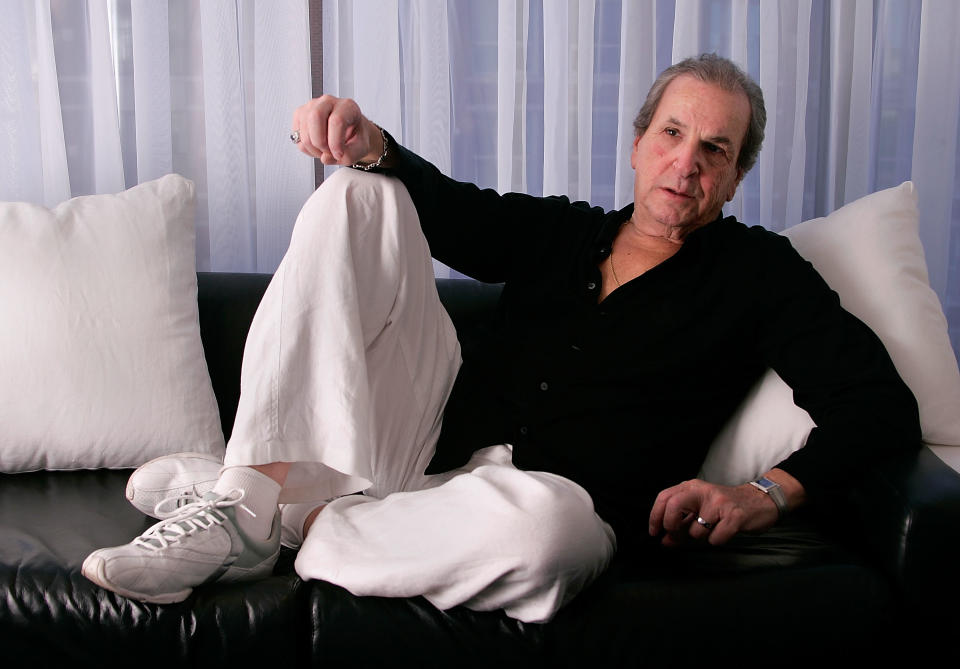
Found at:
[707, 525]
[295, 136]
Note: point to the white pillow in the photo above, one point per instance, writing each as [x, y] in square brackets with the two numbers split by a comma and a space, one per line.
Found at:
[102, 363]
[869, 252]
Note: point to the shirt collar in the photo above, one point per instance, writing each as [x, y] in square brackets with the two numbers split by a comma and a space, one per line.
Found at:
[613, 220]
[609, 228]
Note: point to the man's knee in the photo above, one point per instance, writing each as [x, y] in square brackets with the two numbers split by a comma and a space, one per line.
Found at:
[359, 213]
[359, 190]
[555, 528]
[559, 543]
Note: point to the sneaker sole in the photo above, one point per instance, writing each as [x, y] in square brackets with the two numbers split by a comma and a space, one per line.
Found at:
[93, 567]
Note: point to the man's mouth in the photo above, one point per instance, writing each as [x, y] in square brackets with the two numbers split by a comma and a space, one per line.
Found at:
[678, 193]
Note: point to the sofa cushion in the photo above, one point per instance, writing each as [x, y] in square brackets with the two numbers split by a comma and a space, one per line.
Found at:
[646, 610]
[797, 615]
[100, 344]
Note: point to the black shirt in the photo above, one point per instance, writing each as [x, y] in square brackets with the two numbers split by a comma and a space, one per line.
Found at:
[626, 395]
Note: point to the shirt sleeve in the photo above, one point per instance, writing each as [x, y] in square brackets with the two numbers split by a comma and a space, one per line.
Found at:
[478, 232]
[840, 374]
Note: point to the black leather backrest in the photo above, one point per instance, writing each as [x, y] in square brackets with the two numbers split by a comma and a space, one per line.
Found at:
[228, 302]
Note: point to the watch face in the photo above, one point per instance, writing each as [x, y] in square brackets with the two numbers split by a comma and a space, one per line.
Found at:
[765, 482]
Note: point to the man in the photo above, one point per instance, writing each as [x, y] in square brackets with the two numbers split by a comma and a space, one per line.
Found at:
[623, 342]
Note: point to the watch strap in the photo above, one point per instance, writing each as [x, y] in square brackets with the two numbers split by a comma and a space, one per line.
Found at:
[773, 489]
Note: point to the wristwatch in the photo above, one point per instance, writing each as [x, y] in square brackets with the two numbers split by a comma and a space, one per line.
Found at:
[765, 485]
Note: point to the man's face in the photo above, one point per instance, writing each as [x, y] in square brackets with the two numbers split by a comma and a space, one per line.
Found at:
[686, 161]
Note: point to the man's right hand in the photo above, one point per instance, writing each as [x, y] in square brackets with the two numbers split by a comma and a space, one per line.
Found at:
[333, 130]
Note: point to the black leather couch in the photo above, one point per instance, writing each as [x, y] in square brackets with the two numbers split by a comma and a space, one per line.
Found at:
[872, 576]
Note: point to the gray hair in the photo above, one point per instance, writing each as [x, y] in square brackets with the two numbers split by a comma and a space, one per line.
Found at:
[713, 69]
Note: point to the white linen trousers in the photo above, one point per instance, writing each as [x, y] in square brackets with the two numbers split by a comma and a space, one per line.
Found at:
[347, 367]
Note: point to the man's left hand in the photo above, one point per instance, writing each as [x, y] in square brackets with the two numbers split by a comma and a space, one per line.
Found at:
[707, 511]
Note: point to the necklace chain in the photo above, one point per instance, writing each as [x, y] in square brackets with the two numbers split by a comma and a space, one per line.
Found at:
[614, 270]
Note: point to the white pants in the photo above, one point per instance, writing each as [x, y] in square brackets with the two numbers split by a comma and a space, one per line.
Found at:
[348, 365]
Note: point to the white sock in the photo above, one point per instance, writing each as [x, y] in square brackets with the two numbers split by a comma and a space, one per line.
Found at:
[255, 513]
[292, 518]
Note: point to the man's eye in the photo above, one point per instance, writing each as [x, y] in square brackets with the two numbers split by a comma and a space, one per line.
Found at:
[712, 148]
[673, 132]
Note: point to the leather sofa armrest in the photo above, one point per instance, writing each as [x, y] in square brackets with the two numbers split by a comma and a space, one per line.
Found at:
[906, 516]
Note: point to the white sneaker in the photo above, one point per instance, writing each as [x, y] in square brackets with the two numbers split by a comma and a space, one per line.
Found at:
[184, 476]
[201, 543]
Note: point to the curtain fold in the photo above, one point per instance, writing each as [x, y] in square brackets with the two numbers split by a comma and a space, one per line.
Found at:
[530, 95]
[108, 175]
[935, 154]
[638, 57]
[558, 89]
[229, 179]
[737, 43]
[152, 100]
[427, 45]
[581, 160]
[53, 163]
[793, 186]
[511, 98]
[98, 95]
[284, 176]
[772, 38]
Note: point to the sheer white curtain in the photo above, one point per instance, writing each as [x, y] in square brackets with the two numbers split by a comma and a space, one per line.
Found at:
[539, 96]
[99, 95]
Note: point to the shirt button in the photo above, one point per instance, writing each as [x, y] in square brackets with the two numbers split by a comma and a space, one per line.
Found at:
[591, 285]
[543, 385]
[524, 430]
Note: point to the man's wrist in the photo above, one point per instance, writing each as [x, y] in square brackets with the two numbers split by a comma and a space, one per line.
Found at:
[773, 490]
[375, 160]
[790, 492]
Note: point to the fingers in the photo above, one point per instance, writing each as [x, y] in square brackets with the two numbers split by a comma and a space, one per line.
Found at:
[306, 121]
[342, 131]
[657, 513]
[675, 508]
[331, 129]
[708, 512]
[716, 526]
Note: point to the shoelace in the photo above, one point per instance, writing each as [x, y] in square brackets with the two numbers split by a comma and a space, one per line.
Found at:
[176, 503]
[188, 519]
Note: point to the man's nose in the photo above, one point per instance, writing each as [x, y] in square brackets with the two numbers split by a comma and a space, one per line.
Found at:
[686, 159]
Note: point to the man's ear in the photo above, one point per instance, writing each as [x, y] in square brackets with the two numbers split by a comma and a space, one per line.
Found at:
[633, 152]
[733, 189]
